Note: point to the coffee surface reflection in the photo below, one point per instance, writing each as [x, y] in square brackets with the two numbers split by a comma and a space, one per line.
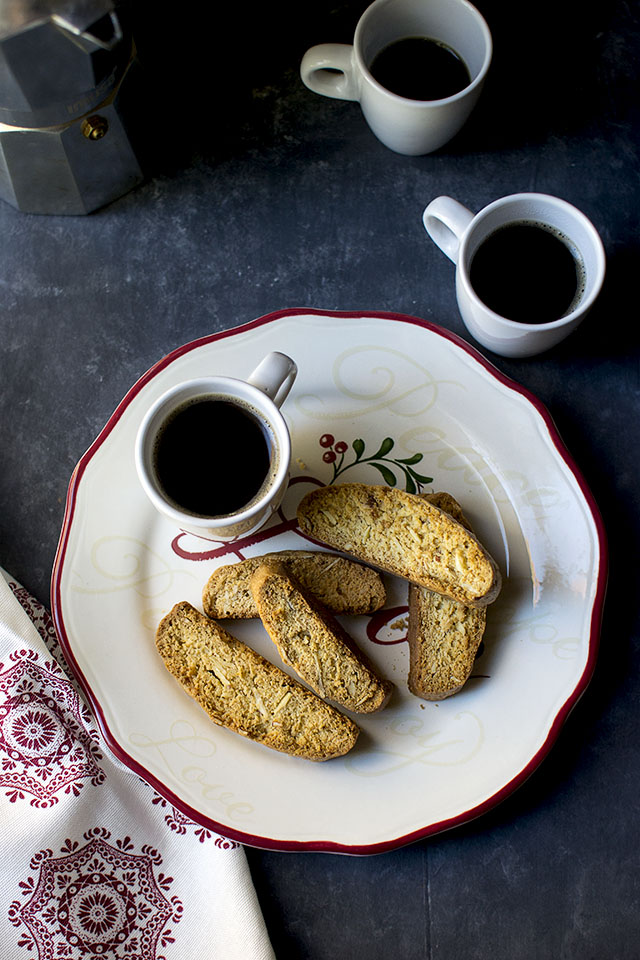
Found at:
[212, 456]
[527, 272]
[420, 68]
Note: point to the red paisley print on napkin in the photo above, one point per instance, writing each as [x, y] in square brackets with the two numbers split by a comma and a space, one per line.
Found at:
[38, 614]
[179, 823]
[96, 900]
[45, 749]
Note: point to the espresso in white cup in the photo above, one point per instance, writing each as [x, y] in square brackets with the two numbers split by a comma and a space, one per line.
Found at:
[213, 454]
[529, 267]
[408, 124]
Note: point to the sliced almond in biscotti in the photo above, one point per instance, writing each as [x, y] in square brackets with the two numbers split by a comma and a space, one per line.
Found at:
[312, 641]
[404, 534]
[342, 585]
[242, 691]
[443, 635]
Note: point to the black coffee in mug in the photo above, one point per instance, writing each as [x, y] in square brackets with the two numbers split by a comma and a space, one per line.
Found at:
[528, 272]
[420, 68]
[212, 456]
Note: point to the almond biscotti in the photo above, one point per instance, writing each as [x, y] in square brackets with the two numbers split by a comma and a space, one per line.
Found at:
[443, 634]
[404, 534]
[312, 641]
[242, 691]
[341, 585]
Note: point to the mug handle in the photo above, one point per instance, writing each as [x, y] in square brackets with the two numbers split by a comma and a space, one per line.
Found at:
[446, 221]
[328, 69]
[274, 376]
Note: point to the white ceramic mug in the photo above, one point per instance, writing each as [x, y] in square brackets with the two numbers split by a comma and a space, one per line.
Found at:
[411, 127]
[261, 395]
[459, 233]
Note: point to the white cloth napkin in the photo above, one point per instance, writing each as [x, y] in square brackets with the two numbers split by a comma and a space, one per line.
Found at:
[94, 863]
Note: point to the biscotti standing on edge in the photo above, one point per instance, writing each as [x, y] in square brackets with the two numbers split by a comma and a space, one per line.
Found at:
[342, 585]
[443, 634]
[242, 691]
[314, 644]
[404, 534]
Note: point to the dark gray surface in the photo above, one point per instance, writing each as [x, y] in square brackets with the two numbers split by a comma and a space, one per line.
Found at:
[263, 196]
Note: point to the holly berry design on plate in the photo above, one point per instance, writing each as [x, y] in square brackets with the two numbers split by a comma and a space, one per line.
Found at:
[390, 468]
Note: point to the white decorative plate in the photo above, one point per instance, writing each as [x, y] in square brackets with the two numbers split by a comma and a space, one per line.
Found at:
[373, 392]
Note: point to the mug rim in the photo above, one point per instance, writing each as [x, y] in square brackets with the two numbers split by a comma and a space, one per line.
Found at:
[472, 85]
[581, 307]
[275, 419]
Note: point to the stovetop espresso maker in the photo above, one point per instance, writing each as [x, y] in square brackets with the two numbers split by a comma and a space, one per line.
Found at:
[69, 88]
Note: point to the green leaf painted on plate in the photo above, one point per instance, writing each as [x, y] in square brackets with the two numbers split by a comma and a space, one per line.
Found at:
[386, 445]
[410, 485]
[416, 458]
[420, 478]
[388, 475]
[358, 446]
